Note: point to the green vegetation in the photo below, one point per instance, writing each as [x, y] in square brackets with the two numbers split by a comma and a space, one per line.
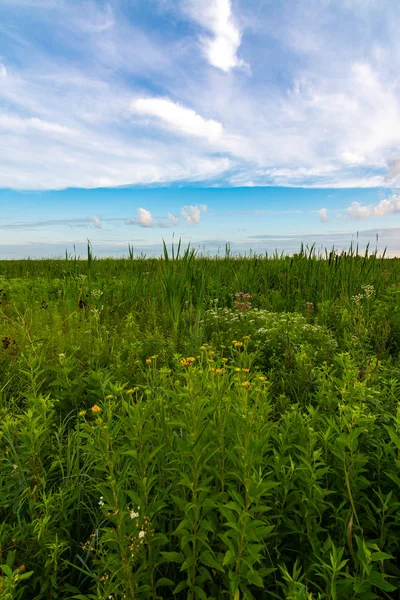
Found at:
[198, 428]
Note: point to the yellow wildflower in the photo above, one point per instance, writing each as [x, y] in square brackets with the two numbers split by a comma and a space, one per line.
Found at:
[219, 371]
[237, 370]
[187, 362]
[96, 408]
[148, 361]
[109, 397]
[82, 413]
[238, 344]
[262, 378]
[131, 391]
[246, 370]
[246, 384]
[225, 360]
[203, 347]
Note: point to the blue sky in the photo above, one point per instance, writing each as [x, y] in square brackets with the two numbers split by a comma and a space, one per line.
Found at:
[254, 122]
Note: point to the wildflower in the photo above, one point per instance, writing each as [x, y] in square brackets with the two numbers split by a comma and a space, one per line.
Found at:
[148, 361]
[237, 370]
[96, 409]
[203, 348]
[262, 378]
[238, 344]
[82, 413]
[219, 371]
[61, 356]
[141, 534]
[357, 299]
[131, 391]
[224, 360]
[246, 385]
[101, 503]
[133, 514]
[109, 397]
[246, 370]
[187, 362]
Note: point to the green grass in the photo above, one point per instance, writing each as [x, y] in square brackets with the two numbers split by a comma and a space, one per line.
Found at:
[161, 437]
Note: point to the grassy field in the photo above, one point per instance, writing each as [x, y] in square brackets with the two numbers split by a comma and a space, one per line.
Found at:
[198, 428]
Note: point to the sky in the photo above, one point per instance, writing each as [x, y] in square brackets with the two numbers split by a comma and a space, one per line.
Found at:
[257, 123]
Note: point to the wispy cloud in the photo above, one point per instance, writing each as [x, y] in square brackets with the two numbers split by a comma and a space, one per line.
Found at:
[181, 119]
[97, 222]
[108, 102]
[222, 42]
[174, 220]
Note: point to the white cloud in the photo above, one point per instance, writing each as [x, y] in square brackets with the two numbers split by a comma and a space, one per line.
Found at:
[144, 217]
[97, 222]
[320, 119]
[358, 211]
[386, 206]
[174, 220]
[191, 214]
[221, 45]
[181, 119]
[323, 214]
[14, 123]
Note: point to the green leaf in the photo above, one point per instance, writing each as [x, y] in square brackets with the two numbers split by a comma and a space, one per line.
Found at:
[173, 556]
[207, 559]
[378, 580]
[229, 558]
[164, 581]
[255, 579]
[181, 586]
[380, 556]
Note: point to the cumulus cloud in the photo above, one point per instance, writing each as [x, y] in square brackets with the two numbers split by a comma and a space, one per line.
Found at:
[174, 220]
[182, 119]
[323, 214]
[358, 211]
[220, 46]
[144, 217]
[191, 214]
[386, 206]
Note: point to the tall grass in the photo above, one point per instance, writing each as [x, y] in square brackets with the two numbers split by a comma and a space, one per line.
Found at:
[162, 438]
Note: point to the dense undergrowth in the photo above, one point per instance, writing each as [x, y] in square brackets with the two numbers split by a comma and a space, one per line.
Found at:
[199, 428]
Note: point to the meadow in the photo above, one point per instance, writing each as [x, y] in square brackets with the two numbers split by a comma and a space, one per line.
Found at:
[200, 428]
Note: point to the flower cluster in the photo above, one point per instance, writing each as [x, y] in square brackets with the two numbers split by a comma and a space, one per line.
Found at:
[357, 298]
[242, 303]
[187, 362]
[368, 290]
[144, 529]
[89, 544]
